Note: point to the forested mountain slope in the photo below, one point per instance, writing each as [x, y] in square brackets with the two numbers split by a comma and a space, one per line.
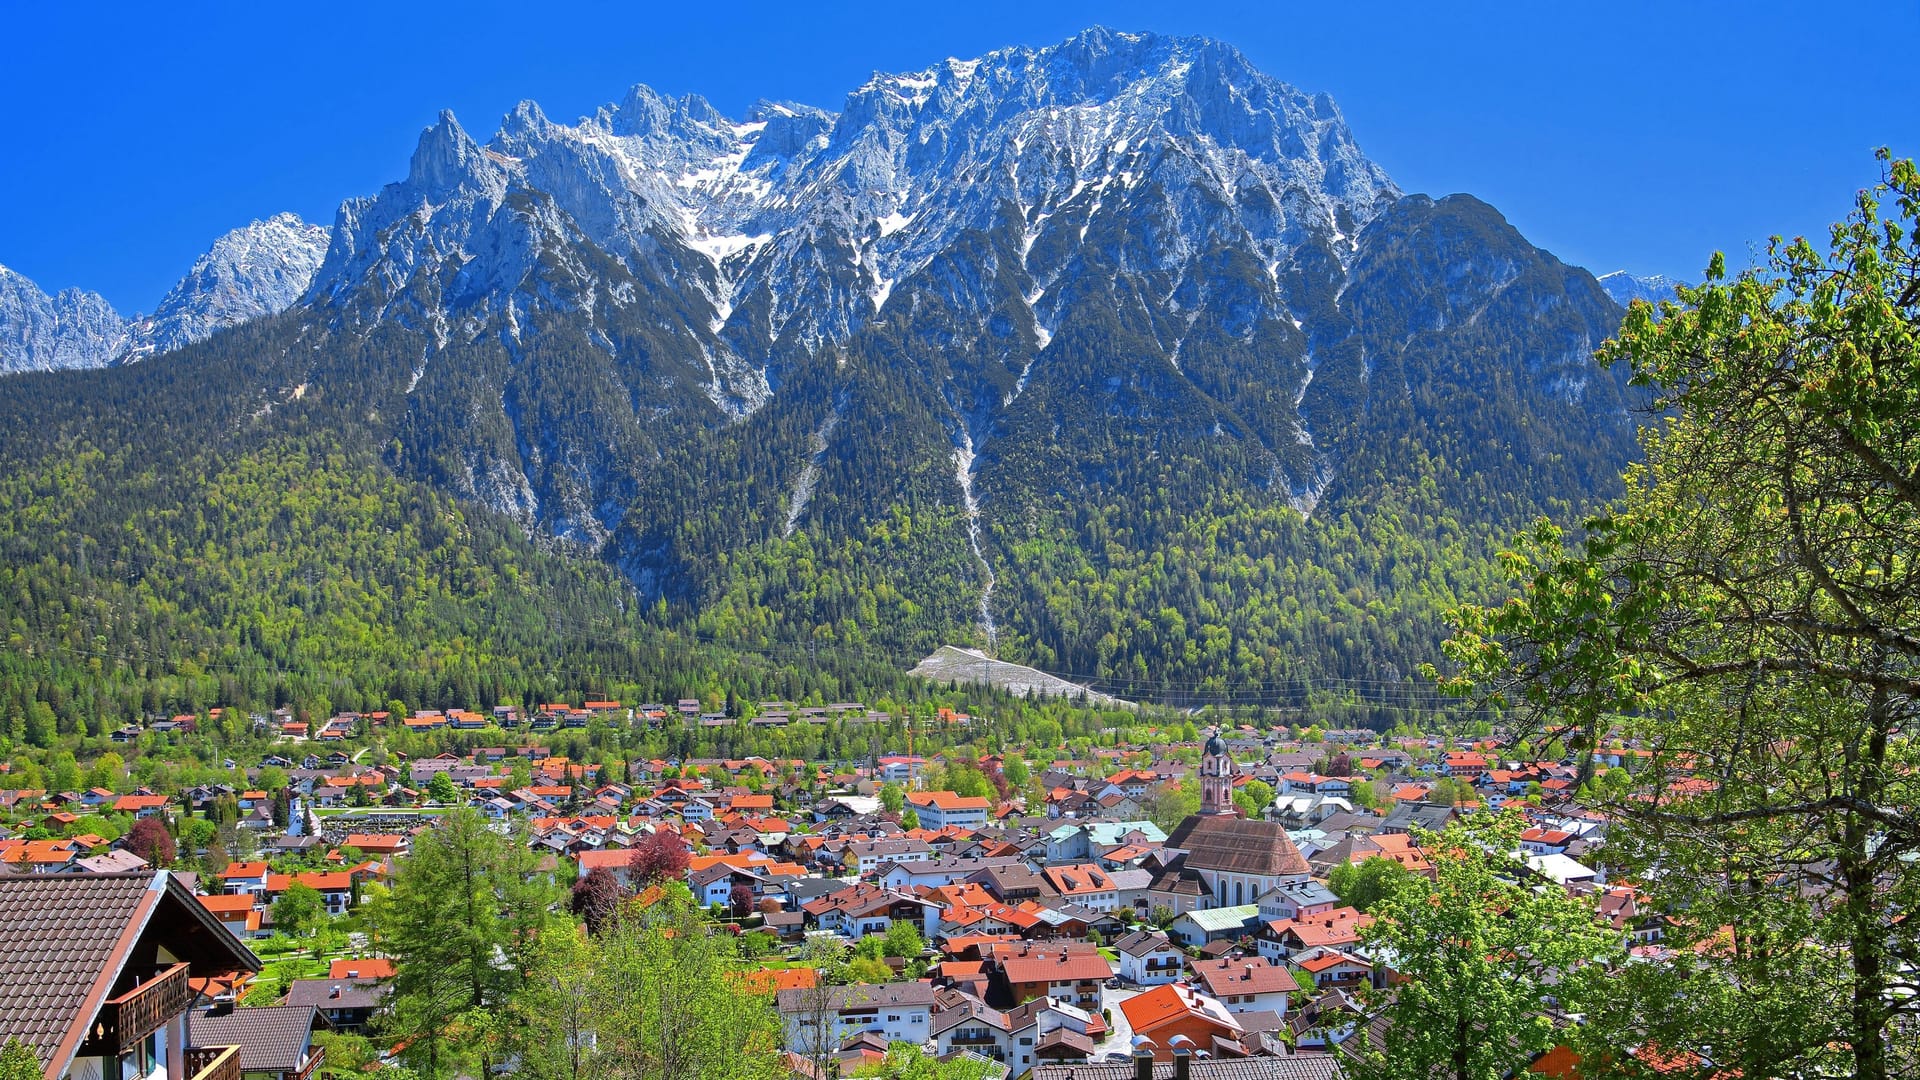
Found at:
[1116, 357]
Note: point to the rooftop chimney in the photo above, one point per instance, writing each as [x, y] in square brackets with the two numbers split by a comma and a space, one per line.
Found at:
[1182, 1064]
[1143, 1064]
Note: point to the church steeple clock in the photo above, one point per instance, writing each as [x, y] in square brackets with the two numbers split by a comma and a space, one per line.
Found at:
[1216, 777]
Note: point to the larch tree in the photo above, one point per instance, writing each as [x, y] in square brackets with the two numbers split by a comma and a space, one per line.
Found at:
[462, 922]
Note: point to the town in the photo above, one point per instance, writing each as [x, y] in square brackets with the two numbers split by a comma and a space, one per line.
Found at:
[1156, 896]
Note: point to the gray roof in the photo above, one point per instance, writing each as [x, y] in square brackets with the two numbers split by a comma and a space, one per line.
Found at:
[1144, 943]
[319, 993]
[950, 864]
[883, 995]
[1227, 918]
[1425, 815]
[272, 1038]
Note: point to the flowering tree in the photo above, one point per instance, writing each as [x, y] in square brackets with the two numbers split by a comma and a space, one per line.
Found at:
[662, 856]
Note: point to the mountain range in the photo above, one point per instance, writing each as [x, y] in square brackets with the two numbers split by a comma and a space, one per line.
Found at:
[1625, 288]
[1116, 357]
[258, 269]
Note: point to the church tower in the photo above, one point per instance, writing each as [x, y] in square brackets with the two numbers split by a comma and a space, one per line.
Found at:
[1216, 777]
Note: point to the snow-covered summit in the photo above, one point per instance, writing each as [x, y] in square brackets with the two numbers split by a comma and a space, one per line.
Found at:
[789, 228]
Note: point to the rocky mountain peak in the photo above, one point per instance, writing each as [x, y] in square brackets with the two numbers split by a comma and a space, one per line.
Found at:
[71, 329]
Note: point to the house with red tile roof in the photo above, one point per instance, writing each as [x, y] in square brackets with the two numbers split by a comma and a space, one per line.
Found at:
[1173, 1016]
[1084, 884]
[1068, 971]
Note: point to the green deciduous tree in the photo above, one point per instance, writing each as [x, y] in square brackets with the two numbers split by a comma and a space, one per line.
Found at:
[108, 771]
[441, 789]
[903, 940]
[1016, 772]
[1749, 609]
[670, 1004]
[905, 1061]
[1366, 883]
[1486, 953]
[299, 910]
[18, 1061]
[1253, 798]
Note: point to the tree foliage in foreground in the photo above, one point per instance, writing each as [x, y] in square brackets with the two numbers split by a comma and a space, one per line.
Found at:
[1489, 952]
[467, 909]
[657, 993]
[1751, 609]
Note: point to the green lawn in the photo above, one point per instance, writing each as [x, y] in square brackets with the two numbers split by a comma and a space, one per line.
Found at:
[268, 986]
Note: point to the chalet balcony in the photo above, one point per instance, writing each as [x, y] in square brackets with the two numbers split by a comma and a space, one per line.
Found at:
[136, 1012]
[973, 1038]
[215, 1063]
[315, 1059]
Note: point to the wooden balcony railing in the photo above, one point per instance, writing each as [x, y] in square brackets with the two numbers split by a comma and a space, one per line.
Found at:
[126, 1019]
[212, 1063]
[315, 1058]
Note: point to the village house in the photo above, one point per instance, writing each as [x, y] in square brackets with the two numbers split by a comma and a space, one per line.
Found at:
[819, 1016]
[1149, 958]
[95, 978]
[941, 809]
[1068, 971]
[1166, 1013]
[1085, 885]
[1244, 984]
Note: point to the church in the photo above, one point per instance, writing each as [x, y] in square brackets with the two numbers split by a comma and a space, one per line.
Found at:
[1216, 858]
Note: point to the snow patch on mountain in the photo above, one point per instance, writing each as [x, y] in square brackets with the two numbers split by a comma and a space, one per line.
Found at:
[1625, 288]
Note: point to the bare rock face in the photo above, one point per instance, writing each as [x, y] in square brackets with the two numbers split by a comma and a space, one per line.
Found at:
[71, 329]
[258, 269]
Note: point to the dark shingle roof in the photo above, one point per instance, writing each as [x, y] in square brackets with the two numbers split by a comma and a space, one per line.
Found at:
[272, 1038]
[1237, 845]
[320, 993]
[70, 941]
[882, 995]
[61, 931]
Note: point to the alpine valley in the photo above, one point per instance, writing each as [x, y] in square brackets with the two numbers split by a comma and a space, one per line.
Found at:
[1116, 358]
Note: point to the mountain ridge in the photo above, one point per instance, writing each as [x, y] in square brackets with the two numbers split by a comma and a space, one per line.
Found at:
[260, 268]
[1115, 357]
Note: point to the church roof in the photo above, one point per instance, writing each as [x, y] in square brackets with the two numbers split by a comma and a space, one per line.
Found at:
[1236, 845]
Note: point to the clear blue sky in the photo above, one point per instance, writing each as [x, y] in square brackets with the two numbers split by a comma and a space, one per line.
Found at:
[1620, 135]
